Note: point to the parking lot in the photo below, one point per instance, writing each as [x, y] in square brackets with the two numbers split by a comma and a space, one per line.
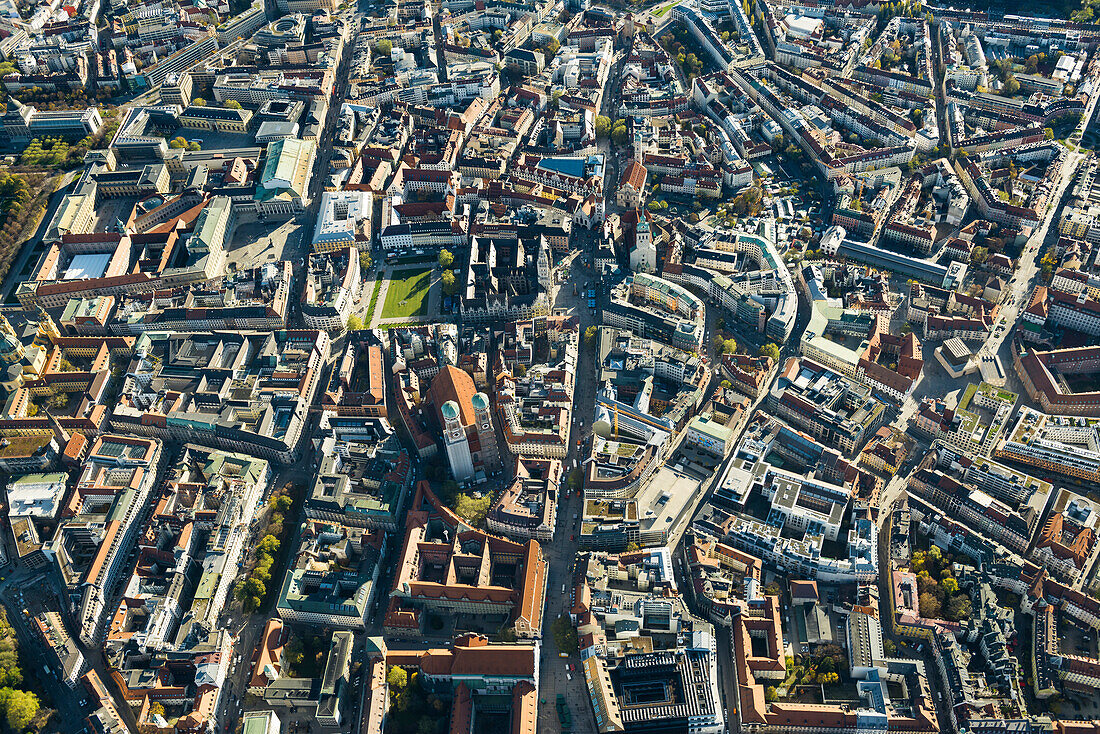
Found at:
[213, 140]
[1075, 641]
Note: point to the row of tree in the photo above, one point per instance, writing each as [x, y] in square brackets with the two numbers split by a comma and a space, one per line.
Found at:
[18, 707]
[182, 142]
[251, 590]
[60, 99]
[22, 201]
[728, 345]
[447, 278]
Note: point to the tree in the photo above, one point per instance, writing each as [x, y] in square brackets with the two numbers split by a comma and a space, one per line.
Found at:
[1047, 264]
[619, 133]
[396, 677]
[473, 509]
[889, 648]
[194, 146]
[20, 706]
[233, 104]
[250, 593]
[1048, 133]
[448, 281]
[1032, 64]
[565, 636]
[10, 674]
[383, 47]
[590, 335]
[958, 608]
[978, 255]
[770, 350]
[550, 50]
[950, 586]
[446, 259]
[354, 323]
[198, 102]
[929, 605]
[157, 709]
[729, 346]
[1012, 86]
[281, 503]
[365, 260]
[771, 694]
[176, 143]
[262, 573]
[603, 126]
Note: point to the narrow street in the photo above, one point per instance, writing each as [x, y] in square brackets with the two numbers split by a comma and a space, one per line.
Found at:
[249, 628]
[24, 591]
[562, 551]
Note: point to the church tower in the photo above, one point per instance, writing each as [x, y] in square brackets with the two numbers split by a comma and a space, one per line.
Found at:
[456, 443]
[486, 434]
[643, 258]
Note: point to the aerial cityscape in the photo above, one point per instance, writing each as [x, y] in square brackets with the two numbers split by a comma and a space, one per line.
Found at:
[539, 366]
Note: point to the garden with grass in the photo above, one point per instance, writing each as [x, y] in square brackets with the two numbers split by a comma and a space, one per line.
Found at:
[408, 294]
[815, 677]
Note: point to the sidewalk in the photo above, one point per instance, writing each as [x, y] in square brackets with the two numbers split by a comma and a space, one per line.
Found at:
[375, 317]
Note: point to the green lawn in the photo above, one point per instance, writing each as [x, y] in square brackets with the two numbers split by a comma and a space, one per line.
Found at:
[661, 11]
[407, 296]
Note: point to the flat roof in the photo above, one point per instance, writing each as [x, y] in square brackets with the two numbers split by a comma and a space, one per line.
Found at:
[36, 495]
[86, 267]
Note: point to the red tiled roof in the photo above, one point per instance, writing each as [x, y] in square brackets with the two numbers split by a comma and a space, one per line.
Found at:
[634, 176]
[453, 384]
